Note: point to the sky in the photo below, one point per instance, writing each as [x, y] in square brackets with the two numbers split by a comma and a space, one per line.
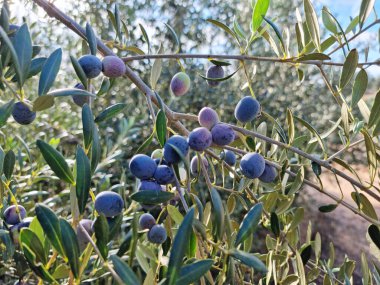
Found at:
[341, 9]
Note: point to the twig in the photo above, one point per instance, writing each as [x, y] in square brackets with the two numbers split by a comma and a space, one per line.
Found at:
[241, 58]
[89, 239]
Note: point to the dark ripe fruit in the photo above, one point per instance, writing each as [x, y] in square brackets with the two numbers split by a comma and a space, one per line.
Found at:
[252, 165]
[229, 157]
[113, 66]
[222, 134]
[214, 72]
[170, 155]
[146, 221]
[82, 240]
[12, 216]
[208, 118]
[109, 203]
[157, 234]
[247, 109]
[195, 167]
[199, 139]
[142, 166]
[22, 114]
[269, 174]
[81, 100]
[147, 185]
[15, 230]
[180, 84]
[91, 65]
[164, 175]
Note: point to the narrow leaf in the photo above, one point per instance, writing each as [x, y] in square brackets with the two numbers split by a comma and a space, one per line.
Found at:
[110, 112]
[124, 271]
[83, 180]
[312, 23]
[193, 272]
[360, 86]
[49, 72]
[56, 161]
[259, 11]
[51, 226]
[161, 128]
[91, 39]
[249, 224]
[349, 68]
[178, 249]
[249, 260]
[71, 246]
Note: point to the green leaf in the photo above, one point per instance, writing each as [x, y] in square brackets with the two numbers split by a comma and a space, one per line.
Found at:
[259, 12]
[91, 39]
[51, 226]
[95, 150]
[40, 270]
[110, 112]
[365, 9]
[219, 62]
[6, 111]
[124, 271]
[175, 37]
[374, 234]
[364, 205]
[349, 68]
[374, 116]
[220, 79]
[218, 212]
[102, 234]
[88, 126]
[328, 21]
[71, 246]
[70, 92]
[174, 214]
[312, 23]
[249, 260]
[371, 155]
[224, 27]
[29, 238]
[313, 56]
[22, 44]
[290, 121]
[191, 273]
[179, 247]
[317, 169]
[298, 181]
[156, 69]
[43, 103]
[327, 208]
[313, 131]
[104, 87]
[9, 164]
[79, 71]
[277, 31]
[161, 128]
[360, 86]
[56, 161]
[14, 56]
[275, 224]
[49, 72]
[134, 49]
[145, 36]
[2, 157]
[152, 197]
[83, 181]
[249, 224]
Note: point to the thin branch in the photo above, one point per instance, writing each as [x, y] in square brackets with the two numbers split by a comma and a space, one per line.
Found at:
[344, 149]
[292, 60]
[355, 36]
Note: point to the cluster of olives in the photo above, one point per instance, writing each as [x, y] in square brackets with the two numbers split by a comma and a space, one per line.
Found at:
[15, 218]
[156, 233]
[111, 66]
